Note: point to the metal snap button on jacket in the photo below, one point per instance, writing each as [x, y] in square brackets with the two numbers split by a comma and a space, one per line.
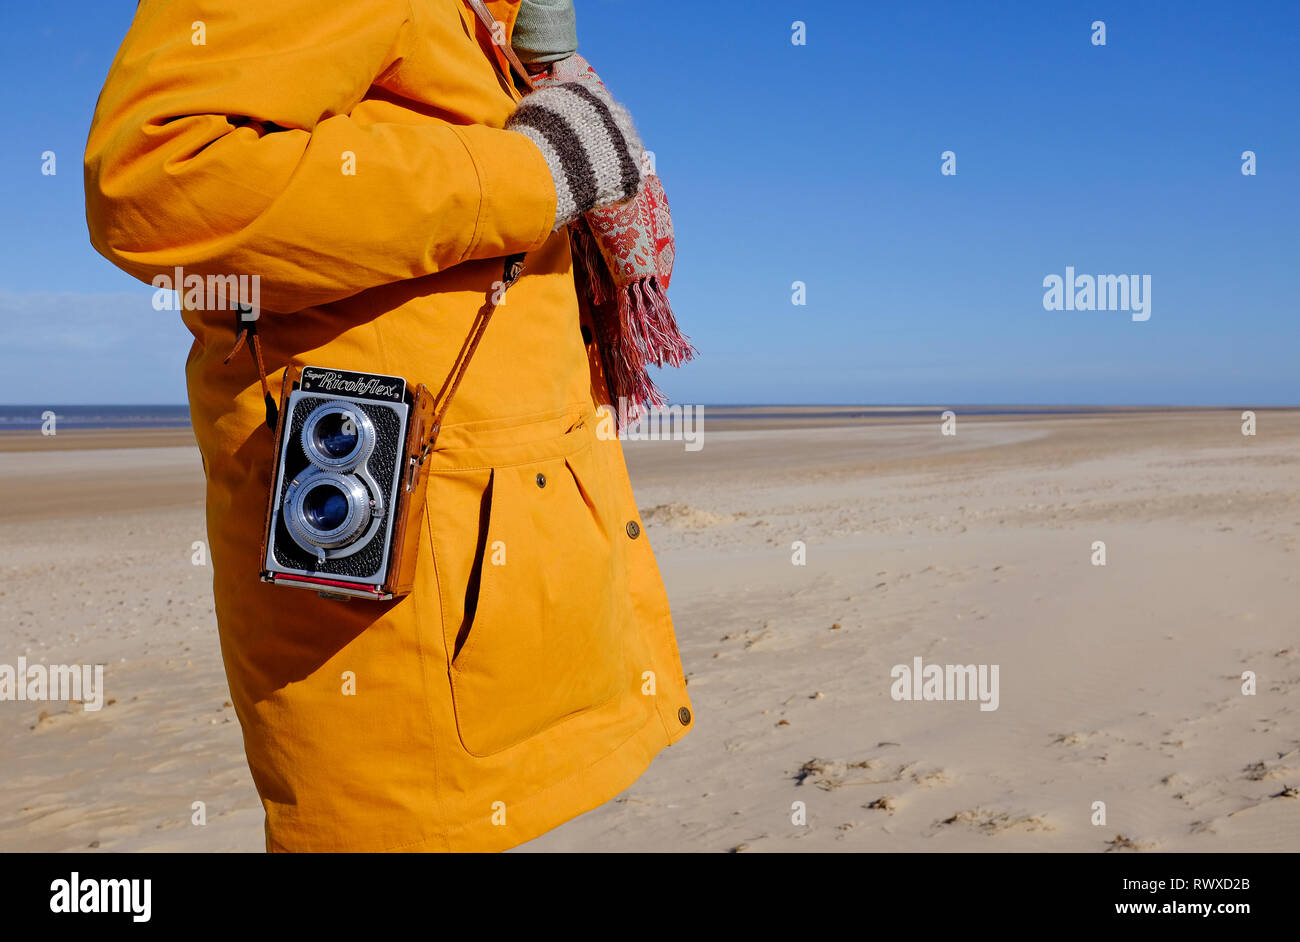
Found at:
[541, 479]
[633, 529]
[685, 716]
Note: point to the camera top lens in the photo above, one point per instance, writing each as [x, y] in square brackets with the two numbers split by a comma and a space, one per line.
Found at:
[338, 436]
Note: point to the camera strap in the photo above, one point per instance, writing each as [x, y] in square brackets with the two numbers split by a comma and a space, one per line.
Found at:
[487, 19]
[246, 334]
[514, 267]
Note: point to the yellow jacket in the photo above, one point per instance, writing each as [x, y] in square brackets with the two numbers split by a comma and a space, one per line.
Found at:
[222, 143]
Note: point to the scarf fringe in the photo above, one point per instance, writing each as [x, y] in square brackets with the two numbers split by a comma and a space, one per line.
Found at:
[645, 314]
[600, 287]
[646, 334]
[645, 331]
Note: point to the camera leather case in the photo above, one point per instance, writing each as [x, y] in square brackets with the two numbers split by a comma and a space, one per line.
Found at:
[348, 487]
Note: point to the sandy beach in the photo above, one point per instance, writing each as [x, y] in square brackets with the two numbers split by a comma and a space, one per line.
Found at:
[1118, 683]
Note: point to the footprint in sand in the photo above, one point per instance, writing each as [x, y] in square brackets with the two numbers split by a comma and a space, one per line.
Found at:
[845, 828]
[1286, 765]
[1122, 843]
[1075, 739]
[990, 821]
[57, 719]
[1287, 793]
[829, 774]
[1089, 745]
[764, 638]
[1190, 793]
[932, 779]
[678, 516]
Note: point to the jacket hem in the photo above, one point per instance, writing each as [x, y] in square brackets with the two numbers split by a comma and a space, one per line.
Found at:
[545, 810]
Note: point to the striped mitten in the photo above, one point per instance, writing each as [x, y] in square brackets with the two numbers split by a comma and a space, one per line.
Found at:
[589, 143]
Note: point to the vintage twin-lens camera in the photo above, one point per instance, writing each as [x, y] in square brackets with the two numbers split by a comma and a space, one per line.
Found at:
[347, 481]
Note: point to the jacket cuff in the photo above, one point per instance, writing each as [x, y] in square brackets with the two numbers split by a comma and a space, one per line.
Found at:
[517, 197]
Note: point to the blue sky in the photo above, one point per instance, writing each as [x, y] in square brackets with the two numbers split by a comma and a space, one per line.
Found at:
[821, 164]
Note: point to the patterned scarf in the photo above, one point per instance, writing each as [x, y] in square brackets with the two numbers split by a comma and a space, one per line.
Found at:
[623, 260]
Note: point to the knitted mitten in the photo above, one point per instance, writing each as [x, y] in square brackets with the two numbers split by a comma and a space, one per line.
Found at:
[588, 140]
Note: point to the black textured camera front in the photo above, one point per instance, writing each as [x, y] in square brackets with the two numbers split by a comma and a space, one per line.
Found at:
[382, 464]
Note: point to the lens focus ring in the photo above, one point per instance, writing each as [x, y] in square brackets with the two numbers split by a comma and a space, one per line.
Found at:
[338, 436]
[326, 509]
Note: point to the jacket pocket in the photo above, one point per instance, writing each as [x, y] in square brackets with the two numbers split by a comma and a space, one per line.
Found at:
[526, 574]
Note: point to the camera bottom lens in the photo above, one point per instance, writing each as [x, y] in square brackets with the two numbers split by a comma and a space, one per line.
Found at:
[326, 510]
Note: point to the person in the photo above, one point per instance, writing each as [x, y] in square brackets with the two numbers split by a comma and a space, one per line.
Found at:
[357, 159]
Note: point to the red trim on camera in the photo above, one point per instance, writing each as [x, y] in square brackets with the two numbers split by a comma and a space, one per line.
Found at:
[351, 586]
